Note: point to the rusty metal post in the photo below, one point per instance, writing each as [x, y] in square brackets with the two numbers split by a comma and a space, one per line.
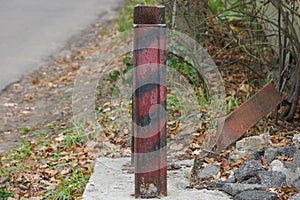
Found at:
[149, 102]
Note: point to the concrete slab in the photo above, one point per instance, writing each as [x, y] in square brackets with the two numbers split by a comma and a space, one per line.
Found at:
[113, 179]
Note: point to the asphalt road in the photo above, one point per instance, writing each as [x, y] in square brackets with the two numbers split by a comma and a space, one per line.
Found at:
[33, 30]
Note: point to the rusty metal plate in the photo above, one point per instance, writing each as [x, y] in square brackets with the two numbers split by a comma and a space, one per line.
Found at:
[233, 126]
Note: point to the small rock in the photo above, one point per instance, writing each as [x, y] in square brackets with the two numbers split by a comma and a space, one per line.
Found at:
[66, 54]
[237, 155]
[209, 171]
[290, 170]
[277, 165]
[295, 197]
[256, 155]
[254, 143]
[296, 184]
[297, 158]
[286, 151]
[271, 153]
[250, 145]
[291, 166]
[255, 195]
[250, 169]
[231, 177]
[252, 180]
[272, 179]
[219, 183]
[149, 192]
[296, 141]
[235, 188]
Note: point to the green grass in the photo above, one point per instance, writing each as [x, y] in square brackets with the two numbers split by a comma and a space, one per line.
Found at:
[24, 130]
[232, 103]
[53, 151]
[14, 161]
[5, 194]
[69, 186]
[19, 154]
[75, 136]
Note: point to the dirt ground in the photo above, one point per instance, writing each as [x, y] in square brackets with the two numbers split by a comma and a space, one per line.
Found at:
[41, 101]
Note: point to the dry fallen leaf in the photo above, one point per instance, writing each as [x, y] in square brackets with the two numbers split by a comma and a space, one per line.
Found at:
[66, 171]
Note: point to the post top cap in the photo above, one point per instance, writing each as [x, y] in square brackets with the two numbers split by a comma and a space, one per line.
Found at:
[149, 14]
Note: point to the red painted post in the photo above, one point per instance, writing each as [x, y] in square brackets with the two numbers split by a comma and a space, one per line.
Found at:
[149, 102]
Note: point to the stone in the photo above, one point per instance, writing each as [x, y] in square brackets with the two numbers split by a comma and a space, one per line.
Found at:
[256, 155]
[297, 158]
[149, 192]
[66, 54]
[235, 188]
[250, 145]
[296, 141]
[296, 184]
[231, 177]
[291, 166]
[250, 169]
[252, 180]
[254, 143]
[272, 179]
[290, 170]
[286, 151]
[255, 195]
[209, 171]
[271, 153]
[237, 155]
[295, 197]
[277, 165]
[219, 183]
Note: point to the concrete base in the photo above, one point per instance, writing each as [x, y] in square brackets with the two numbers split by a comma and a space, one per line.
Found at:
[113, 179]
